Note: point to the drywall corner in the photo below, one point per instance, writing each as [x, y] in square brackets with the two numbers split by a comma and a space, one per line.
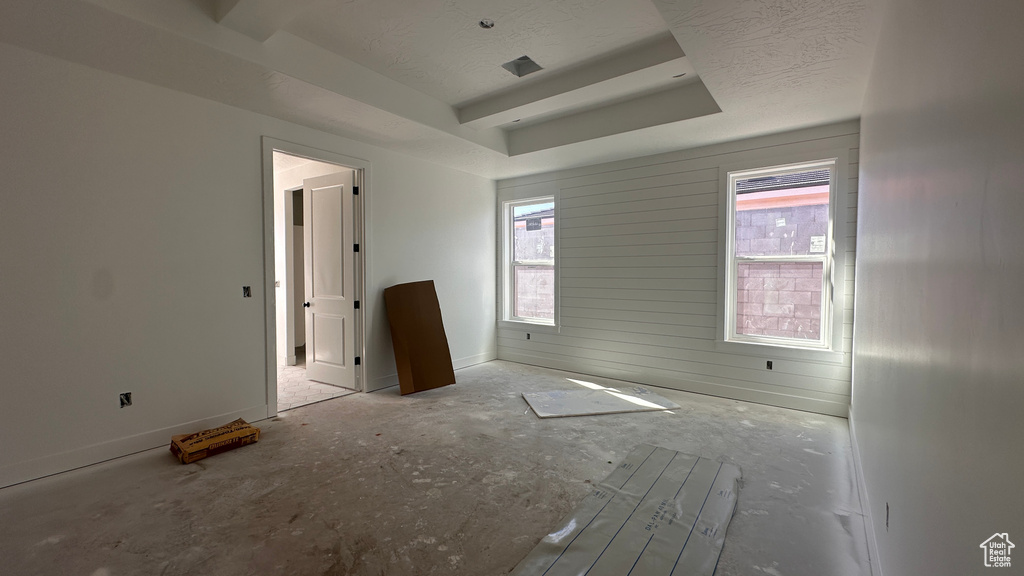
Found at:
[865, 501]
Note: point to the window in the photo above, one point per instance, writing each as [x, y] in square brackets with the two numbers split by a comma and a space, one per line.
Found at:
[529, 275]
[779, 255]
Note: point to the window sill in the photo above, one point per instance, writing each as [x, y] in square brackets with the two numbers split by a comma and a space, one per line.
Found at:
[772, 351]
[528, 326]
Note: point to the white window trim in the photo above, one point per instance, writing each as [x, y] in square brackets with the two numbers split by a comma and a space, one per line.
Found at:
[506, 200]
[834, 278]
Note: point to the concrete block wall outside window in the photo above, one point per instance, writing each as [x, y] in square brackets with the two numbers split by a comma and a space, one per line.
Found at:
[528, 275]
[533, 245]
[780, 299]
[779, 255]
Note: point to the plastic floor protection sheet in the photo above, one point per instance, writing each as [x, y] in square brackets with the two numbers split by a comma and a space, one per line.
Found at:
[660, 513]
[561, 403]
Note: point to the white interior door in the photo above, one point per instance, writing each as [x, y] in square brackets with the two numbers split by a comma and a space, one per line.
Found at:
[329, 277]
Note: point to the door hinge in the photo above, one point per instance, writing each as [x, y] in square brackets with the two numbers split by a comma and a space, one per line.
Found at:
[355, 190]
[357, 304]
[355, 248]
[357, 360]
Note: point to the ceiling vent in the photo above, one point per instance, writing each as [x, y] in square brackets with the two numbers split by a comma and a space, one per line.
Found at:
[522, 66]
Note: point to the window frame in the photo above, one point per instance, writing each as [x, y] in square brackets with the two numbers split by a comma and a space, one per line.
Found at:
[507, 265]
[830, 347]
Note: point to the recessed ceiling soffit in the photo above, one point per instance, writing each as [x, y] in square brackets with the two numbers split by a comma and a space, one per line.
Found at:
[554, 107]
[425, 79]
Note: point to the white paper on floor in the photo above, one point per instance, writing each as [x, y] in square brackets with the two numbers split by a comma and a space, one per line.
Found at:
[559, 403]
[660, 513]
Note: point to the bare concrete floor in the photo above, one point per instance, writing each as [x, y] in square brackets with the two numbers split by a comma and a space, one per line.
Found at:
[460, 480]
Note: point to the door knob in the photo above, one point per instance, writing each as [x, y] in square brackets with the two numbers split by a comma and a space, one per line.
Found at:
[305, 304]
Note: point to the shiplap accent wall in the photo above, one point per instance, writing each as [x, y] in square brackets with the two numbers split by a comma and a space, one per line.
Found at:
[639, 272]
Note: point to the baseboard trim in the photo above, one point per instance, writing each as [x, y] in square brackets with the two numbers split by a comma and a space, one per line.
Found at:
[865, 502]
[815, 405]
[94, 454]
[460, 363]
[383, 382]
[468, 361]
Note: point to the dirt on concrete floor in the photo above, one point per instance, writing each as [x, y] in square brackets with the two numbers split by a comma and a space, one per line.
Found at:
[461, 480]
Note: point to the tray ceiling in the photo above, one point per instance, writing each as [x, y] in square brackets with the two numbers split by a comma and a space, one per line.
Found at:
[621, 79]
[438, 48]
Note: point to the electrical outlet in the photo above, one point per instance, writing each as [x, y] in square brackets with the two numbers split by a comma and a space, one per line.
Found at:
[769, 364]
[126, 399]
[527, 335]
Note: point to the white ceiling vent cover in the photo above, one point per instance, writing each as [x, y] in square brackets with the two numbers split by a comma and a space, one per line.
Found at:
[522, 66]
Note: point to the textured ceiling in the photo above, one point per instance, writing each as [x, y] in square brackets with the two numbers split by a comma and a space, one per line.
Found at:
[437, 47]
[777, 56]
[388, 72]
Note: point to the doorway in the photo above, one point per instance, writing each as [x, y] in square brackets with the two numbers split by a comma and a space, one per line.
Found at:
[314, 338]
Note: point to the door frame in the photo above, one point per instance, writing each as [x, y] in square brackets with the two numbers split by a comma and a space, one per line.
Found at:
[291, 335]
[361, 179]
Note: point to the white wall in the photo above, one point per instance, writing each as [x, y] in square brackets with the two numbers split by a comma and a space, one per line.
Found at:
[938, 389]
[132, 216]
[639, 270]
[442, 229]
